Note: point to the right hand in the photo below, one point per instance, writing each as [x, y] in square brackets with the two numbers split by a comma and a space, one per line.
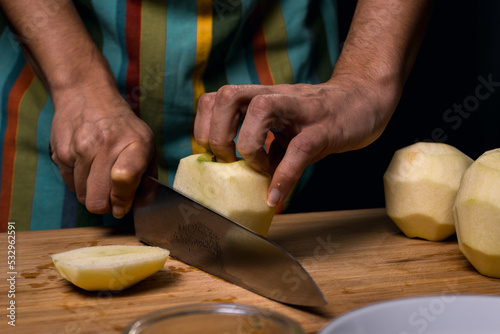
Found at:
[101, 147]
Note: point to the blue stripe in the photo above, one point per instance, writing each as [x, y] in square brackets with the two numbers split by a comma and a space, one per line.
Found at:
[48, 197]
[313, 75]
[107, 15]
[70, 208]
[250, 63]
[248, 51]
[121, 15]
[299, 39]
[12, 63]
[330, 20]
[179, 60]
[237, 71]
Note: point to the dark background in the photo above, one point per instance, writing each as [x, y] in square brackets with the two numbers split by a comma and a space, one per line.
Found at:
[462, 44]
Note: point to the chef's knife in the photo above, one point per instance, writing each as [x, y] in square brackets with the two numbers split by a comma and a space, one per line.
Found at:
[208, 241]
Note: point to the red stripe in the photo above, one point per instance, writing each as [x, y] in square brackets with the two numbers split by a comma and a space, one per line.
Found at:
[260, 58]
[19, 88]
[133, 40]
[259, 46]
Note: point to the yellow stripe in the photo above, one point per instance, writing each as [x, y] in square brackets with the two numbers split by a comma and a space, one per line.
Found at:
[152, 69]
[26, 158]
[203, 45]
[276, 37]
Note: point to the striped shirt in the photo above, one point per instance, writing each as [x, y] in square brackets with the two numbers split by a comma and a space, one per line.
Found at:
[164, 56]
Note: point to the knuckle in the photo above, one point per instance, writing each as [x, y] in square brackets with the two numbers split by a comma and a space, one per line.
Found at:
[217, 144]
[322, 92]
[249, 148]
[83, 144]
[206, 101]
[97, 206]
[305, 146]
[65, 161]
[147, 141]
[60, 154]
[287, 175]
[260, 105]
[104, 137]
[151, 139]
[124, 176]
[227, 93]
[121, 174]
[201, 139]
[92, 136]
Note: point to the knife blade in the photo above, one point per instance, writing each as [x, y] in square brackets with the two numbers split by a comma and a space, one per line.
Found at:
[208, 241]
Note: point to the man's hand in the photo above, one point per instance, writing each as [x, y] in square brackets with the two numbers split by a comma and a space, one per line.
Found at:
[308, 122]
[346, 113]
[101, 148]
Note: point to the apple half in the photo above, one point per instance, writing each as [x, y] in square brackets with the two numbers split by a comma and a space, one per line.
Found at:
[477, 214]
[420, 187]
[233, 189]
[114, 267]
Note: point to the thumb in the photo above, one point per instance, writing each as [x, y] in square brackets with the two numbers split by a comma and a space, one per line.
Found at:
[126, 175]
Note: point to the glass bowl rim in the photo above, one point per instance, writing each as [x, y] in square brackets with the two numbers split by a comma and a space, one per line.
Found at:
[140, 323]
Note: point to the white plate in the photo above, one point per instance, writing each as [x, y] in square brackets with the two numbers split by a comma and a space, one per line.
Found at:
[443, 314]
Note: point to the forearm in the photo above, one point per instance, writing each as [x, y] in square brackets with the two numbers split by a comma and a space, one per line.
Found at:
[56, 43]
[101, 147]
[383, 40]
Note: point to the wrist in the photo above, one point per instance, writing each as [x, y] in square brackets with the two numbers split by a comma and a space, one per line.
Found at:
[372, 97]
[79, 70]
[379, 82]
[87, 78]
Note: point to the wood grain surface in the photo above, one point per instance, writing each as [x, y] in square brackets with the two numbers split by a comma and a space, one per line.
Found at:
[356, 257]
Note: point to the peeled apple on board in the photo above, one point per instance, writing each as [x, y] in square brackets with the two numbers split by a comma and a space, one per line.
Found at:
[232, 189]
[115, 267]
[477, 214]
[420, 187]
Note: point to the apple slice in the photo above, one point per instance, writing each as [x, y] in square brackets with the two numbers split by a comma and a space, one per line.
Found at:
[477, 214]
[420, 187]
[234, 190]
[109, 267]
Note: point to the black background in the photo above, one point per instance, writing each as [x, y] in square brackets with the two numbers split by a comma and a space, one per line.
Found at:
[462, 43]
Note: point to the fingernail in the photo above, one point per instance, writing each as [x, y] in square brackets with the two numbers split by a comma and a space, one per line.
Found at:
[273, 198]
[118, 212]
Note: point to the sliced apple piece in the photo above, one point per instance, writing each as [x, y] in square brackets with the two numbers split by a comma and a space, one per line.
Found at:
[109, 267]
[420, 187]
[234, 190]
[477, 214]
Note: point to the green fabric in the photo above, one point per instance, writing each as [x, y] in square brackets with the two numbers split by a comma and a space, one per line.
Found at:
[162, 63]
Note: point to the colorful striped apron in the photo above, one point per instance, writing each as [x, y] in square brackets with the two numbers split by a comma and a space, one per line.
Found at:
[164, 55]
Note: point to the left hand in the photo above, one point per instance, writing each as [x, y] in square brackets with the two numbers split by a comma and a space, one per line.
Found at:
[309, 122]
[348, 112]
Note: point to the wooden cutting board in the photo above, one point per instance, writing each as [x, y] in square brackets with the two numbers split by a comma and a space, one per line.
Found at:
[356, 258]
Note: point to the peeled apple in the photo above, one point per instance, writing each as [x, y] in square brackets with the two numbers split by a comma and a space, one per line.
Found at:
[233, 189]
[420, 187]
[477, 214]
